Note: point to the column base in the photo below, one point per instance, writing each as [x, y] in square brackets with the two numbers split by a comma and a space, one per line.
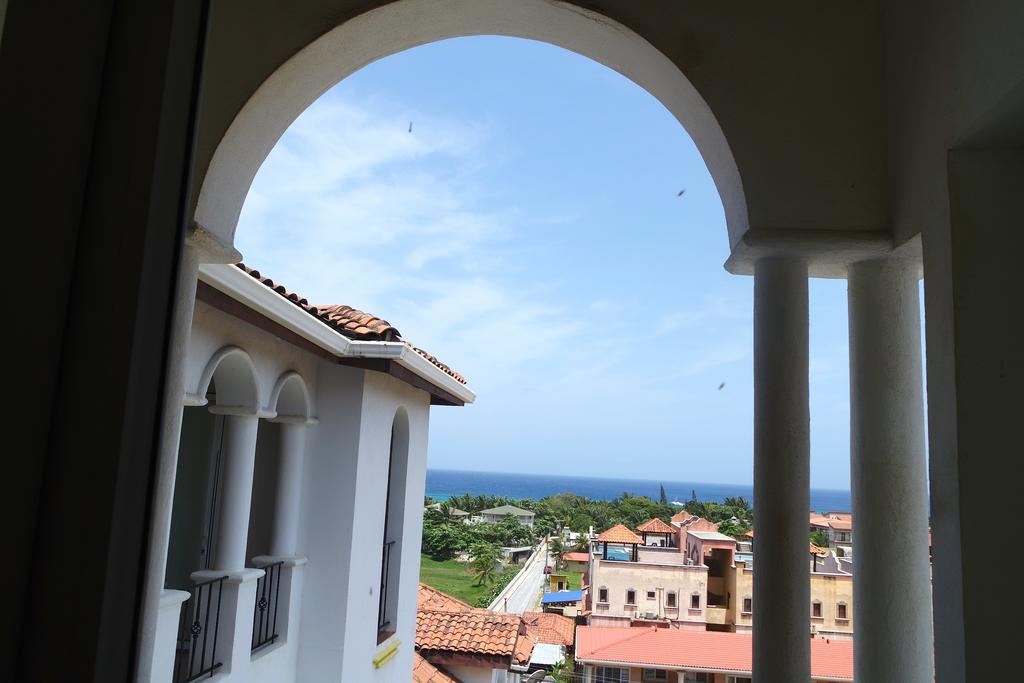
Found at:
[236, 605]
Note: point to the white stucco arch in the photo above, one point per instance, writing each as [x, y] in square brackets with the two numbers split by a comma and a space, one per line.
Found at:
[234, 374]
[289, 399]
[408, 23]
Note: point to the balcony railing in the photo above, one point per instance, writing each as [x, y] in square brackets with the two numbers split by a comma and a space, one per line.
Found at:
[198, 628]
[268, 599]
[383, 621]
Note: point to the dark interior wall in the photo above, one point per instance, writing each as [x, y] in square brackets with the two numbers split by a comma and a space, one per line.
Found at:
[193, 482]
[795, 87]
[264, 489]
[975, 374]
[98, 100]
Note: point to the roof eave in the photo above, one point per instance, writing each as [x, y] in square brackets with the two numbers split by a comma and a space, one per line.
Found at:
[239, 285]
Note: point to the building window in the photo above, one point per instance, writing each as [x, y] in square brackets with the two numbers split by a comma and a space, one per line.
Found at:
[651, 595]
[630, 597]
[816, 609]
[695, 601]
[740, 679]
[841, 611]
[394, 514]
[655, 675]
[748, 605]
[670, 599]
[602, 594]
[611, 674]
[692, 677]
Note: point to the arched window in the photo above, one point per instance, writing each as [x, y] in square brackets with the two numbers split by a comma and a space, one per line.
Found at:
[394, 521]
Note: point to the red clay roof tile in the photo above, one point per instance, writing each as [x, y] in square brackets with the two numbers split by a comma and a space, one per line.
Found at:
[425, 672]
[619, 534]
[656, 526]
[348, 321]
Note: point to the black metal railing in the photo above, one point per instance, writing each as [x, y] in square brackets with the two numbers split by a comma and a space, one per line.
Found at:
[383, 621]
[198, 630]
[268, 594]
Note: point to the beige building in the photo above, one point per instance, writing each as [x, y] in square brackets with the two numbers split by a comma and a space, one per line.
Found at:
[831, 608]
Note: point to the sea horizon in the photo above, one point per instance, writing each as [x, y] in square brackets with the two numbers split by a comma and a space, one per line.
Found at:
[443, 484]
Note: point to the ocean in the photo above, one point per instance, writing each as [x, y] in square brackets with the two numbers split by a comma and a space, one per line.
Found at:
[443, 484]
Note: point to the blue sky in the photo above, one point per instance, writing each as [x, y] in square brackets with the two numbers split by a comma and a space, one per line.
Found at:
[529, 232]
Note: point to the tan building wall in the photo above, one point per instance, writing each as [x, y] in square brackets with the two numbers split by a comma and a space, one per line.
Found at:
[830, 589]
[644, 577]
[636, 676]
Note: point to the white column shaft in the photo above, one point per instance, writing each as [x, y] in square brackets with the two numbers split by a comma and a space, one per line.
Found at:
[892, 580]
[781, 606]
[167, 460]
[284, 538]
[236, 493]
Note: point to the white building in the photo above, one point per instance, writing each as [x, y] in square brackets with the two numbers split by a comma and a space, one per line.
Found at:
[294, 540]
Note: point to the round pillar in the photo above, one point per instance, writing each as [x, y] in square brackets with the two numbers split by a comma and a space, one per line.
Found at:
[781, 625]
[236, 493]
[284, 538]
[892, 578]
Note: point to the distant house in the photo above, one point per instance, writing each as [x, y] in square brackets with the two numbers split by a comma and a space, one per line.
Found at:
[453, 512]
[576, 562]
[499, 513]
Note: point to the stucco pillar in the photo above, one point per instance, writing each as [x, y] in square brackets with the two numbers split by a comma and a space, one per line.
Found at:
[284, 537]
[781, 472]
[236, 498]
[892, 579]
[199, 247]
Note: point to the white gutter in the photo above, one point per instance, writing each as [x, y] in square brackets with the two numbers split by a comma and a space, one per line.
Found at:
[246, 289]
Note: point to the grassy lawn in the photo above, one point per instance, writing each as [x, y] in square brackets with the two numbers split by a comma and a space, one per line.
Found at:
[451, 577]
[574, 578]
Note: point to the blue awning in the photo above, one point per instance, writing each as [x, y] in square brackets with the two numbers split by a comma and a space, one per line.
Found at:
[561, 596]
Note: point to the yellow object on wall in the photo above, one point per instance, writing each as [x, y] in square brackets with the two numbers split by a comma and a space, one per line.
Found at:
[386, 655]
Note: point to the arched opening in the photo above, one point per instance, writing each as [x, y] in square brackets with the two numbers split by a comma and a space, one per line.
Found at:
[402, 25]
[394, 526]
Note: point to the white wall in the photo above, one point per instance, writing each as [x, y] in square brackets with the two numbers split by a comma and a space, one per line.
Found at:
[381, 398]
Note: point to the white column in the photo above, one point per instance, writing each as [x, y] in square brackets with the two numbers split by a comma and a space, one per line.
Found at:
[892, 578]
[781, 472]
[153, 607]
[236, 493]
[284, 538]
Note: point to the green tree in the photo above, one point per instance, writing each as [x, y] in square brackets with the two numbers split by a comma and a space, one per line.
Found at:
[819, 538]
[564, 671]
[557, 550]
[662, 498]
[485, 563]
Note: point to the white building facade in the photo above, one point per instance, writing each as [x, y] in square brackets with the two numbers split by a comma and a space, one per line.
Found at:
[294, 537]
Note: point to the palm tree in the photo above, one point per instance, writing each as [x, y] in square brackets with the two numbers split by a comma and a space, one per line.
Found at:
[485, 562]
[557, 550]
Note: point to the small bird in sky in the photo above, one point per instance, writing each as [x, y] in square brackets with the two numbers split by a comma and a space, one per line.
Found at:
[681, 192]
[410, 126]
[721, 386]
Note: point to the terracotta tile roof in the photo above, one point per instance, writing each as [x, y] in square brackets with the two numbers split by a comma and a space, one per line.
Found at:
[841, 524]
[699, 524]
[656, 526]
[429, 598]
[425, 672]
[524, 647]
[478, 632]
[349, 322]
[681, 516]
[619, 534]
[815, 550]
[576, 557]
[550, 628]
[699, 650]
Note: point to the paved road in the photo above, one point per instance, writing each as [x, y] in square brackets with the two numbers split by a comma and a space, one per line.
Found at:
[522, 594]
